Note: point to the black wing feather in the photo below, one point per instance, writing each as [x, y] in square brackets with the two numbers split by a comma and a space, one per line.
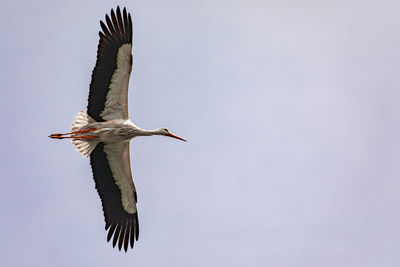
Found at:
[116, 235]
[125, 19]
[115, 23]
[117, 219]
[112, 38]
[121, 237]
[126, 239]
[105, 30]
[120, 24]
[110, 25]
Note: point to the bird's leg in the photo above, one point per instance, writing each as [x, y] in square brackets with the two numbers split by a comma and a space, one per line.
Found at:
[58, 135]
[73, 137]
[77, 132]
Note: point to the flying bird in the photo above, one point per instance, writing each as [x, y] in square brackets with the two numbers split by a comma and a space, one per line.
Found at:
[104, 131]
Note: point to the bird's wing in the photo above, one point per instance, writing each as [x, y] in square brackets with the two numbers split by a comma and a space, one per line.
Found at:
[108, 96]
[113, 178]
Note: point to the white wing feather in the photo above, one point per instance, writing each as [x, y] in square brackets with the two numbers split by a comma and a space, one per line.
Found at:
[116, 106]
[119, 161]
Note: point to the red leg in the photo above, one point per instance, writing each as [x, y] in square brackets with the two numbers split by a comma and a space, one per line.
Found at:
[77, 132]
[73, 137]
[58, 135]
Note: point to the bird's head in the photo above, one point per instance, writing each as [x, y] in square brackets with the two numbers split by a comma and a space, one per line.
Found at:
[164, 131]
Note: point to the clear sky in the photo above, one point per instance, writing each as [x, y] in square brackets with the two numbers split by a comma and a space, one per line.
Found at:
[291, 112]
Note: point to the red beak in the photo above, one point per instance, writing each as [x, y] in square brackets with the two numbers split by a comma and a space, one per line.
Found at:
[175, 136]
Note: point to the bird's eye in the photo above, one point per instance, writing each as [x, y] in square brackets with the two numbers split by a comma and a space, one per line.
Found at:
[166, 130]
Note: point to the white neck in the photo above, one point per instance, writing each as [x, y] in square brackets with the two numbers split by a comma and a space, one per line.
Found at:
[142, 132]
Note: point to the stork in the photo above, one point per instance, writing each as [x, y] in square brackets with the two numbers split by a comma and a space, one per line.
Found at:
[104, 131]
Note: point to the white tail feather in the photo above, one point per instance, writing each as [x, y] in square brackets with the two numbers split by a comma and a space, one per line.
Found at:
[81, 119]
[85, 147]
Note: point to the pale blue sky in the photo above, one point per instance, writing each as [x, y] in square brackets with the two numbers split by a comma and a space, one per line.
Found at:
[291, 112]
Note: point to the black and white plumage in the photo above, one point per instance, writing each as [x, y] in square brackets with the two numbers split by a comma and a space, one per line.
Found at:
[103, 133]
[112, 70]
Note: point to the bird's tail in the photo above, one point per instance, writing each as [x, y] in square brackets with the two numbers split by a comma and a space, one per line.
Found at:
[84, 146]
[81, 120]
